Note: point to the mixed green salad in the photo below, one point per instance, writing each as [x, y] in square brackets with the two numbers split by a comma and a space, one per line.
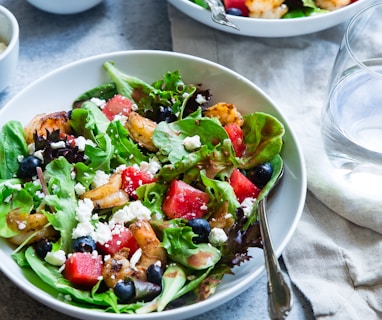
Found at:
[278, 9]
[141, 196]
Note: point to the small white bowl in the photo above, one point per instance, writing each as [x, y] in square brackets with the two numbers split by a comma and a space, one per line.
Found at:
[64, 6]
[9, 35]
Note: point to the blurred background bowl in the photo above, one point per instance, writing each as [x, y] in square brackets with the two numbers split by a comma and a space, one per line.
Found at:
[64, 6]
[9, 37]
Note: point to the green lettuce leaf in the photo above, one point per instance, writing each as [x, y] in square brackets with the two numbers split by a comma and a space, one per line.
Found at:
[12, 145]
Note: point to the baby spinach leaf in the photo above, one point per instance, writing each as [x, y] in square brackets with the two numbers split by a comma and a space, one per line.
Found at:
[263, 135]
[12, 145]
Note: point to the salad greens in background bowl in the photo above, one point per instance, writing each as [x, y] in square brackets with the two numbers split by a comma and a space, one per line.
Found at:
[197, 156]
[304, 19]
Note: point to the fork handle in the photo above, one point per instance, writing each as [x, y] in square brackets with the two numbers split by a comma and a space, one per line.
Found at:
[279, 293]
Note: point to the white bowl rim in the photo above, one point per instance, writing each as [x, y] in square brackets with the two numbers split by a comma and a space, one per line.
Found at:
[15, 31]
[203, 305]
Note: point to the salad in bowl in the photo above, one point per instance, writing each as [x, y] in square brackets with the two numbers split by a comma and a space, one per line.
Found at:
[140, 197]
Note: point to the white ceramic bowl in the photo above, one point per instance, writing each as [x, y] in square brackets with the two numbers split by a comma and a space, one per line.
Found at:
[9, 35]
[285, 207]
[64, 6]
[272, 27]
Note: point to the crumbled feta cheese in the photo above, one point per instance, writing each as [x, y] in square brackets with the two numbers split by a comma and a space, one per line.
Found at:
[217, 236]
[121, 118]
[100, 179]
[200, 99]
[56, 258]
[80, 143]
[153, 166]
[134, 210]
[102, 233]
[83, 215]
[79, 189]
[20, 158]
[192, 143]
[58, 145]
[98, 102]
[247, 206]
[39, 155]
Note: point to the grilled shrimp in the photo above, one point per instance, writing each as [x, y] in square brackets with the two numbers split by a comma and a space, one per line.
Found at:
[141, 130]
[332, 4]
[108, 195]
[268, 9]
[47, 122]
[118, 267]
[226, 113]
[35, 224]
[152, 251]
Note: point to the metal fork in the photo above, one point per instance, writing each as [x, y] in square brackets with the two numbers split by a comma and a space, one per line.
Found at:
[218, 14]
[280, 298]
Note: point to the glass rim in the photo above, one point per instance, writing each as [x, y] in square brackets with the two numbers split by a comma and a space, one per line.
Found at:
[347, 42]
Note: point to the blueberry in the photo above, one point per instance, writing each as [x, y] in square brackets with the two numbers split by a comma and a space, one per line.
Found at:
[161, 114]
[166, 114]
[234, 12]
[125, 290]
[42, 247]
[28, 167]
[261, 174]
[202, 228]
[84, 244]
[154, 274]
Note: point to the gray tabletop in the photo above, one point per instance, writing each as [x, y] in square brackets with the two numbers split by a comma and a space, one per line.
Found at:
[48, 41]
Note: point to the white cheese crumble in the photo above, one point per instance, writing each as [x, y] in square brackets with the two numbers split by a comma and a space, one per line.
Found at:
[58, 145]
[200, 99]
[79, 189]
[102, 233]
[98, 102]
[192, 143]
[100, 179]
[83, 215]
[134, 210]
[56, 258]
[39, 155]
[153, 166]
[20, 158]
[247, 206]
[217, 237]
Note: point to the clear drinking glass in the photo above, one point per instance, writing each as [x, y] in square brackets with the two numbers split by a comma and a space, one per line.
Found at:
[352, 115]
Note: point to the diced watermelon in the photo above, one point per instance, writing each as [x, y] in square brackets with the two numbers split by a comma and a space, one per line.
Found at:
[236, 136]
[83, 269]
[242, 186]
[118, 105]
[122, 238]
[132, 178]
[184, 201]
